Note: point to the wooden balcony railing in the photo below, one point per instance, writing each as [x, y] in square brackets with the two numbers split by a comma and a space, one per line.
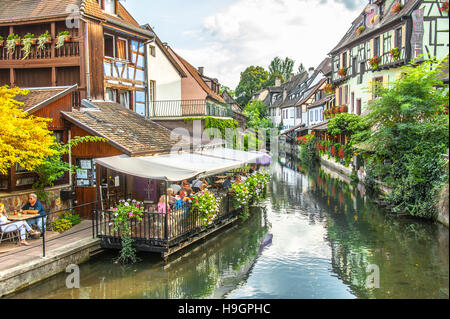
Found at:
[69, 49]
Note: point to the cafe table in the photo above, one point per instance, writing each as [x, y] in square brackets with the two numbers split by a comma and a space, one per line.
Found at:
[21, 217]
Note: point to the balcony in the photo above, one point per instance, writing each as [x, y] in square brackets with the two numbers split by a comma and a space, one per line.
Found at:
[188, 108]
[69, 49]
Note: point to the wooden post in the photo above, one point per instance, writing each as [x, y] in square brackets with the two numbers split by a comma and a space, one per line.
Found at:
[53, 34]
[12, 79]
[53, 76]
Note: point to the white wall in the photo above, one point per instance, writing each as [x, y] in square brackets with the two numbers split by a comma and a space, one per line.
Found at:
[167, 78]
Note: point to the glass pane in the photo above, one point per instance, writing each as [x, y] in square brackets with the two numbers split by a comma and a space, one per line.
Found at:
[140, 75]
[140, 61]
[140, 97]
[140, 109]
[134, 45]
[107, 67]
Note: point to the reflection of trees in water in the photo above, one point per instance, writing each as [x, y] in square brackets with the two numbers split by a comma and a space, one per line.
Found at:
[221, 260]
[411, 259]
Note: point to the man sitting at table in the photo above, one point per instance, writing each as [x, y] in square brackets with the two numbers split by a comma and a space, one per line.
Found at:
[34, 204]
[6, 226]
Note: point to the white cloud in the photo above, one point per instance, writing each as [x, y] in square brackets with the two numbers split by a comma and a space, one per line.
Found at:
[252, 32]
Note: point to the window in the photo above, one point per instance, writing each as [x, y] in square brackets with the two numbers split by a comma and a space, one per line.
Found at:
[317, 115]
[346, 95]
[109, 46]
[152, 91]
[310, 116]
[321, 114]
[152, 50]
[340, 96]
[354, 66]
[111, 95]
[140, 102]
[398, 37]
[122, 49]
[344, 59]
[362, 69]
[59, 135]
[125, 99]
[110, 6]
[376, 46]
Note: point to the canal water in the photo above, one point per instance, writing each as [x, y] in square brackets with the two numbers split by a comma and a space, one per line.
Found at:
[316, 236]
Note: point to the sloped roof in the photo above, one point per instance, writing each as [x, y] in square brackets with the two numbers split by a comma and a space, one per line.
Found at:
[388, 18]
[196, 75]
[290, 86]
[125, 129]
[37, 98]
[312, 91]
[22, 10]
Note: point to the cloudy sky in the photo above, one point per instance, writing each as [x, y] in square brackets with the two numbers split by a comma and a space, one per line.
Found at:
[226, 36]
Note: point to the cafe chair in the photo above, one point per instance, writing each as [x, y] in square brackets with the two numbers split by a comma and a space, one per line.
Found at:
[11, 235]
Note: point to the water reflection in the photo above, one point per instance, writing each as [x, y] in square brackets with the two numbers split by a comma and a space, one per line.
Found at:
[326, 232]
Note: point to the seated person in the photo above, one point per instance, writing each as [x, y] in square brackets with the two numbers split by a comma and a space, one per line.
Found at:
[176, 188]
[196, 185]
[252, 169]
[187, 190]
[34, 204]
[205, 181]
[6, 226]
[227, 184]
[163, 205]
[182, 203]
[172, 198]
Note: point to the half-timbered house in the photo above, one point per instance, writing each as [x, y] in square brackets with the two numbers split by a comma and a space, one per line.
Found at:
[385, 36]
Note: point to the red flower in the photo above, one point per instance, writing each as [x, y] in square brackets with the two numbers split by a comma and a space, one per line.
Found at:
[341, 153]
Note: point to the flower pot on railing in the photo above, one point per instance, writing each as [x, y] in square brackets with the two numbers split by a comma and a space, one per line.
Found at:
[342, 72]
[67, 38]
[444, 7]
[375, 62]
[17, 42]
[397, 8]
[2, 42]
[360, 29]
[395, 53]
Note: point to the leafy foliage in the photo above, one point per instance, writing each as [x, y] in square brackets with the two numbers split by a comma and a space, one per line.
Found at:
[252, 80]
[61, 225]
[124, 212]
[207, 206]
[24, 139]
[410, 134]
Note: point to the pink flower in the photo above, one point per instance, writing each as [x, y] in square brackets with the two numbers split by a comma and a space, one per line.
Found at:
[130, 214]
[115, 209]
[137, 206]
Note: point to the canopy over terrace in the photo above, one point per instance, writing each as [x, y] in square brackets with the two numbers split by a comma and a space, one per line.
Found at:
[180, 166]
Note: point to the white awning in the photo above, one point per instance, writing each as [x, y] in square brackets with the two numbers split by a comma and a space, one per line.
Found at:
[180, 166]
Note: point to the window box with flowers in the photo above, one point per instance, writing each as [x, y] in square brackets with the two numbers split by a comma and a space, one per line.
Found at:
[444, 7]
[397, 7]
[376, 18]
[375, 62]
[360, 30]
[342, 72]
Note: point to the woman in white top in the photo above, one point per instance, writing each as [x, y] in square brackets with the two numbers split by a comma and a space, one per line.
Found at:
[6, 226]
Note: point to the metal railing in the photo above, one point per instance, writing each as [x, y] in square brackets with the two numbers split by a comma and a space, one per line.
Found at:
[183, 108]
[162, 229]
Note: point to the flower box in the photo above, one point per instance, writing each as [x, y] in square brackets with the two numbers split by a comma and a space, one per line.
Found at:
[342, 72]
[397, 7]
[395, 53]
[375, 62]
[444, 7]
[360, 30]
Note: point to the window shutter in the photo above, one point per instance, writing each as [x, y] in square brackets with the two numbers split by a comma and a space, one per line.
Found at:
[337, 96]
[403, 36]
[393, 39]
[381, 45]
[348, 60]
[371, 48]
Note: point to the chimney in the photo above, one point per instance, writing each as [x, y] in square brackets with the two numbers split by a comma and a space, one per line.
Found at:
[291, 76]
[310, 71]
[284, 95]
[201, 69]
[277, 82]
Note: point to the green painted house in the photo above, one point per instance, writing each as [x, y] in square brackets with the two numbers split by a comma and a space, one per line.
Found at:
[385, 36]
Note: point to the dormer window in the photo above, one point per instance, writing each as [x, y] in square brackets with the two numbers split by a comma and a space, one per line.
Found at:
[109, 6]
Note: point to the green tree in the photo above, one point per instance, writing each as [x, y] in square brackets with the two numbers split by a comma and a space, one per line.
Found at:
[281, 68]
[301, 68]
[224, 88]
[252, 80]
[257, 114]
[410, 134]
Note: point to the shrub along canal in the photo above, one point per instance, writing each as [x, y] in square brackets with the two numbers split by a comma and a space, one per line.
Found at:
[317, 237]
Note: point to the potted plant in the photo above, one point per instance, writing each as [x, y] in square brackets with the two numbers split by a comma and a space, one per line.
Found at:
[360, 29]
[444, 7]
[328, 89]
[342, 72]
[375, 62]
[376, 18]
[44, 39]
[27, 43]
[63, 37]
[397, 7]
[2, 41]
[395, 53]
[11, 42]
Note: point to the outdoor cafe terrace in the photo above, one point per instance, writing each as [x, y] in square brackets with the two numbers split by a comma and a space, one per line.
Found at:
[166, 233]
